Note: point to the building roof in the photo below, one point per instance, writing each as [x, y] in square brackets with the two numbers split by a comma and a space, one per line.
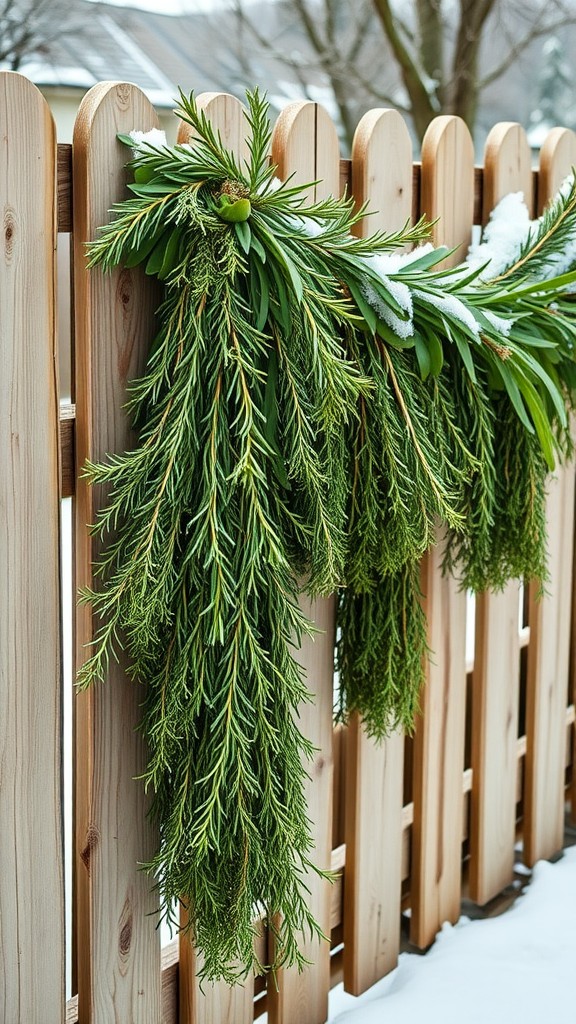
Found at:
[157, 52]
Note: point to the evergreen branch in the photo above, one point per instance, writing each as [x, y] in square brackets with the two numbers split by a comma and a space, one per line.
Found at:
[312, 406]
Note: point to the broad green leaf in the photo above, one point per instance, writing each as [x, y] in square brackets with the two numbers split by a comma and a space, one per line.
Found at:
[365, 308]
[422, 355]
[169, 261]
[156, 258]
[243, 233]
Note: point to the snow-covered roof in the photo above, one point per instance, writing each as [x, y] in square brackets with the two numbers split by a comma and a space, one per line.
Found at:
[157, 52]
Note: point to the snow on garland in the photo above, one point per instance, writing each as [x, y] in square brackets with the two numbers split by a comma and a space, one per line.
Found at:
[313, 404]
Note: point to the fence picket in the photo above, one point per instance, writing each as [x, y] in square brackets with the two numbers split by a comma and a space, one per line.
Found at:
[305, 142]
[557, 158]
[507, 166]
[496, 681]
[550, 619]
[382, 176]
[214, 1003]
[447, 193]
[119, 965]
[31, 829]
[447, 184]
[225, 113]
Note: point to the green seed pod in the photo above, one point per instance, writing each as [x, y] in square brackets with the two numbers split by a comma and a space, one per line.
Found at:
[142, 175]
[233, 213]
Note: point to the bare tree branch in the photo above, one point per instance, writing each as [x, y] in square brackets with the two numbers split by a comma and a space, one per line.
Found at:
[517, 48]
[363, 52]
[422, 105]
[31, 27]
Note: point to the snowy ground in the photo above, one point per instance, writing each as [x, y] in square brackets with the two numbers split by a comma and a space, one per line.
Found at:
[520, 966]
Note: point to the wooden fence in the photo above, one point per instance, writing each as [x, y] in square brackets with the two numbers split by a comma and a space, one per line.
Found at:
[407, 823]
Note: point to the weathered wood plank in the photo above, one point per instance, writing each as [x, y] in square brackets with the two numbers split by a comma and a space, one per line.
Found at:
[31, 829]
[64, 187]
[382, 176]
[496, 680]
[67, 450]
[507, 166]
[557, 158]
[447, 194]
[447, 183]
[339, 744]
[547, 680]
[550, 619]
[119, 951]
[495, 697]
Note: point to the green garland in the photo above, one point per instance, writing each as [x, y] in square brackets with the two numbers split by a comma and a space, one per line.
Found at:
[312, 408]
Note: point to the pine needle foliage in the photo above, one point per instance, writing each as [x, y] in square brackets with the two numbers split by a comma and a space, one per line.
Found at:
[306, 420]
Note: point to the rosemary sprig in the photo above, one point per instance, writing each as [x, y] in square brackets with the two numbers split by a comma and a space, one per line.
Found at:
[312, 407]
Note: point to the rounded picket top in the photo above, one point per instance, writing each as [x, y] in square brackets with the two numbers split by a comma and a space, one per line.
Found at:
[227, 115]
[18, 93]
[557, 159]
[116, 106]
[447, 183]
[107, 109]
[382, 170]
[305, 143]
[507, 166]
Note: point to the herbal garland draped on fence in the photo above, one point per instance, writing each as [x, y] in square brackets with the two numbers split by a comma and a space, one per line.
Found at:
[313, 405]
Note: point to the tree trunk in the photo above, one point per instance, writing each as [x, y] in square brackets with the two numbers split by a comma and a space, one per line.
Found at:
[431, 39]
[422, 104]
[462, 91]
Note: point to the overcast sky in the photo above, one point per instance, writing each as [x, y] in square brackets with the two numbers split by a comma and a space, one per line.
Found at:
[173, 6]
[167, 6]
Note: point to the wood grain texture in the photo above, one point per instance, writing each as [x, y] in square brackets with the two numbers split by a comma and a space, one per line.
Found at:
[496, 679]
[339, 744]
[305, 142]
[225, 113]
[550, 622]
[495, 702]
[447, 185]
[119, 951]
[547, 680]
[382, 170]
[67, 450]
[374, 840]
[64, 187]
[507, 166]
[169, 1011]
[213, 1003]
[31, 830]
[439, 759]
[557, 158]
[382, 176]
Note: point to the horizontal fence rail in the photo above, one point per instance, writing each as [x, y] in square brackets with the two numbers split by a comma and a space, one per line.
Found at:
[407, 825]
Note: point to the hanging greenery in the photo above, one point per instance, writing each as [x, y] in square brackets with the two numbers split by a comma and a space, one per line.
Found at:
[313, 407]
